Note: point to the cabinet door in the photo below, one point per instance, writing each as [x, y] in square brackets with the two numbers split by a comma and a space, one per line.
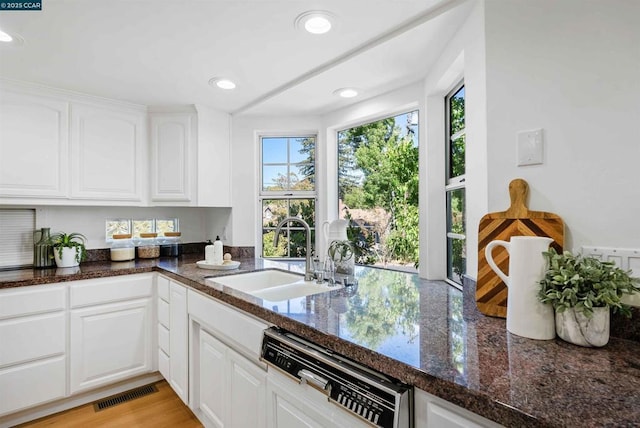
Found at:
[110, 343]
[33, 146]
[247, 390]
[178, 341]
[107, 153]
[210, 370]
[173, 167]
[434, 412]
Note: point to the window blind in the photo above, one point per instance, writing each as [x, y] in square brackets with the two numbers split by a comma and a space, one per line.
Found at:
[16, 236]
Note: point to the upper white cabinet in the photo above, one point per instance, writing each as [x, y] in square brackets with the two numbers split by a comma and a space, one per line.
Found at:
[190, 157]
[108, 147]
[34, 145]
[58, 147]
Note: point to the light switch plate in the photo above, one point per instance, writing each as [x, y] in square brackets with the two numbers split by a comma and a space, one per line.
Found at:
[624, 258]
[530, 147]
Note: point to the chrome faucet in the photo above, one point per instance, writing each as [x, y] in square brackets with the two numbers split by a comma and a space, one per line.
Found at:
[308, 275]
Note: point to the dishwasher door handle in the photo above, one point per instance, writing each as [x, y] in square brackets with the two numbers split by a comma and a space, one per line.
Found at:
[313, 379]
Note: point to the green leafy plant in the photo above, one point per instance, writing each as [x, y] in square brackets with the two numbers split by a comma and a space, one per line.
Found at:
[340, 251]
[75, 240]
[584, 283]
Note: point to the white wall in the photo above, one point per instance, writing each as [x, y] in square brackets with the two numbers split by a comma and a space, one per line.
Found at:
[246, 168]
[571, 67]
[462, 58]
[196, 224]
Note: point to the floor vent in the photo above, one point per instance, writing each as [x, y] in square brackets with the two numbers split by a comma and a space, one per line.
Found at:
[123, 397]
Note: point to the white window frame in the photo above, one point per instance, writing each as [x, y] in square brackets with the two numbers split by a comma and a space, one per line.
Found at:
[285, 194]
[452, 183]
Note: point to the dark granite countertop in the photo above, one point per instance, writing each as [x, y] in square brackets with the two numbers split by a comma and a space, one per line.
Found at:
[425, 333]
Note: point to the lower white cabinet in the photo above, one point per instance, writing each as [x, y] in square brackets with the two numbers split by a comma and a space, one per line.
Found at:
[230, 388]
[33, 335]
[110, 330]
[434, 412]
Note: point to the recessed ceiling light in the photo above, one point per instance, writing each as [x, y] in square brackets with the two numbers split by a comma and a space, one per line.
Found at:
[5, 37]
[10, 39]
[346, 92]
[315, 21]
[222, 83]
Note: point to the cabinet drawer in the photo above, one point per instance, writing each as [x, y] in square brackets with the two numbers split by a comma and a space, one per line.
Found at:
[163, 338]
[112, 289]
[163, 313]
[163, 288]
[30, 338]
[163, 364]
[32, 384]
[238, 328]
[35, 299]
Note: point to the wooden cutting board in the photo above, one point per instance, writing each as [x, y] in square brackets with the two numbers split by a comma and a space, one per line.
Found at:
[491, 292]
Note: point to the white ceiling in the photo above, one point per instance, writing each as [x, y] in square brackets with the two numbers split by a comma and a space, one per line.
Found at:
[159, 52]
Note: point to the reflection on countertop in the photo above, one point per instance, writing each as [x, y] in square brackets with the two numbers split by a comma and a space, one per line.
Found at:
[428, 334]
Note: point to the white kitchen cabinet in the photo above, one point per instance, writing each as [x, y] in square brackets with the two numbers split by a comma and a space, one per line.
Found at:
[226, 375]
[34, 146]
[110, 330]
[108, 153]
[58, 147]
[190, 157]
[173, 337]
[434, 412]
[32, 346]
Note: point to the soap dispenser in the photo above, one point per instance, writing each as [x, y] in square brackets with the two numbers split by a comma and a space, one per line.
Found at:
[218, 251]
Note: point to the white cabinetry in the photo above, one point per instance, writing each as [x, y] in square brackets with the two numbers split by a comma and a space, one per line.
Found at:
[32, 346]
[58, 147]
[108, 153]
[34, 146]
[173, 344]
[190, 157]
[227, 380]
[434, 412]
[110, 330]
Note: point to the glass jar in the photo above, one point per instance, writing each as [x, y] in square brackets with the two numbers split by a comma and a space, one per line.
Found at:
[170, 244]
[122, 248]
[148, 247]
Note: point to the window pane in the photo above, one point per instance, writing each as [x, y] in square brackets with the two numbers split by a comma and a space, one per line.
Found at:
[116, 227]
[301, 150]
[292, 239]
[274, 150]
[142, 226]
[302, 177]
[275, 178]
[457, 259]
[163, 226]
[456, 111]
[457, 156]
[456, 211]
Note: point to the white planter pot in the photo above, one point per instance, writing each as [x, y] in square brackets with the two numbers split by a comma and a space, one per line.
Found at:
[574, 327]
[68, 258]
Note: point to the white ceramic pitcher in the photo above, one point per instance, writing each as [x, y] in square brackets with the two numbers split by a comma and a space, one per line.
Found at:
[335, 230]
[526, 315]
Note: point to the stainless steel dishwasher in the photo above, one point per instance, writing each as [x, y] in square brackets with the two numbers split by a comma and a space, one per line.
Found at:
[371, 396]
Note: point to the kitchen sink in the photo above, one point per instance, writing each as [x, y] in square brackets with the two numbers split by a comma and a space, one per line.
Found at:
[273, 285]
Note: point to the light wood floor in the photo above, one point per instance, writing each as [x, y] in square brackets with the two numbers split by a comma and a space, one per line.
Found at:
[159, 409]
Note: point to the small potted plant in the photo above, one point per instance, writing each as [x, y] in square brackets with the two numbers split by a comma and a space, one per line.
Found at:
[68, 248]
[341, 253]
[582, 291]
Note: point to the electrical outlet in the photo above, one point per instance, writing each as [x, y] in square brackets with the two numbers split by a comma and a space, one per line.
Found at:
[624, 258]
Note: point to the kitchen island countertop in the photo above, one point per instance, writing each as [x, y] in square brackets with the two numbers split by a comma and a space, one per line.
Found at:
[428, 334]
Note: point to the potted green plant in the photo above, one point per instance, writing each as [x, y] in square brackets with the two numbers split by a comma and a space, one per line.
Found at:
[68, 248]
[341, 253]
[583, 290]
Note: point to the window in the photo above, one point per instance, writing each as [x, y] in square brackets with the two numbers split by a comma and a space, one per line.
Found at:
[135, 227]
[378, 189]
[287, 189]
[455, 185]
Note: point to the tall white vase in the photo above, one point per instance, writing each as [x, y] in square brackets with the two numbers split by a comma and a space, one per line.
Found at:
[526, 315]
